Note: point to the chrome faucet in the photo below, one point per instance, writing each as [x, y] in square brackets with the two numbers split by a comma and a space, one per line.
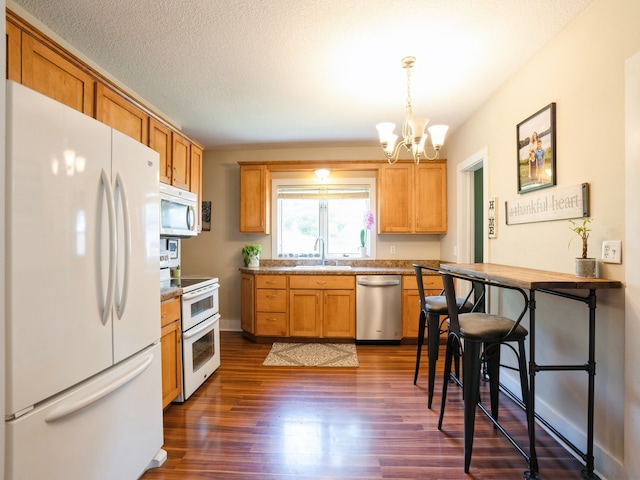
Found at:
[315, 247]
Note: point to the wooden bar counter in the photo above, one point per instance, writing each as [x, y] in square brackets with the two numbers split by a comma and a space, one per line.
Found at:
[552, 283]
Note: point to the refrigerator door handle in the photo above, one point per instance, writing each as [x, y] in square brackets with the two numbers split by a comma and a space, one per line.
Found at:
[106, 184]
[67, 409]
[123, 293]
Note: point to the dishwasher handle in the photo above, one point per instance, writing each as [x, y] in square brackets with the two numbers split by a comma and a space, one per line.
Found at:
[378, 283]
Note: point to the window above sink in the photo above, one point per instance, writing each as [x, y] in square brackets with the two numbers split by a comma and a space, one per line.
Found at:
[303, 210]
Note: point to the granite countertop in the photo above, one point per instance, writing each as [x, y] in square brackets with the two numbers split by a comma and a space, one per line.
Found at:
[169, 293]
[358, 267]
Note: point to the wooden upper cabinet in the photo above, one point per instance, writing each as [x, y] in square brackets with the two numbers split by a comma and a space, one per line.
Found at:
[44, 66]
[181, 162]
[431, 197]
[195, 181]
[160, 140]
[395, 197]
[14, 52]
[254, 199]
[119, 113]
[46, 71]
[413, 198]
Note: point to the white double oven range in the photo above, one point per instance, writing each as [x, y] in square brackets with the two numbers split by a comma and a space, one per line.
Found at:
[200, 319]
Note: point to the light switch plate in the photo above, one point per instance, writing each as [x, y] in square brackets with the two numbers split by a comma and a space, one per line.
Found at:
[612, 251]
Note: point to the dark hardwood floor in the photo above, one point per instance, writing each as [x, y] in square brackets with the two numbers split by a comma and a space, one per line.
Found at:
[253, 422]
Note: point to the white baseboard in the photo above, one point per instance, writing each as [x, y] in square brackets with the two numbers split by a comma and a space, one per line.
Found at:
[606, 465]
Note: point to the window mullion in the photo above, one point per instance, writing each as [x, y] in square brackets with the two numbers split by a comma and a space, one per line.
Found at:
[324, 220]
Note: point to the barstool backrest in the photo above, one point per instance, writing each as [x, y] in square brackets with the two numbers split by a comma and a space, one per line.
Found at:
[452, 306]
[418, 269]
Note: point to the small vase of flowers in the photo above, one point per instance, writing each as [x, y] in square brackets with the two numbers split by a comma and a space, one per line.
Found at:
[368, 221]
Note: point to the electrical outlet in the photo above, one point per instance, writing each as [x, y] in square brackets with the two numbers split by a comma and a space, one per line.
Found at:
[392, 249]
[612, 251]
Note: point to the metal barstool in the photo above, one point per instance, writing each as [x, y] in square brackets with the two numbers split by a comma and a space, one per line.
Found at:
[470, 332]
[432, 308]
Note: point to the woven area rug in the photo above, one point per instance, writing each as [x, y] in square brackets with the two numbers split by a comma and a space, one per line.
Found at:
[312, 355]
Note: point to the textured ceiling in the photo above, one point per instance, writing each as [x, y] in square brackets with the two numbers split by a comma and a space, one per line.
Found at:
[234, 73]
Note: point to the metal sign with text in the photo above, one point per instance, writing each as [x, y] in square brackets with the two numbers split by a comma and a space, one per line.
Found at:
[558, 204]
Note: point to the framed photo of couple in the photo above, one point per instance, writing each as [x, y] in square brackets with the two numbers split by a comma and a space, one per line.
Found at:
[537, 150]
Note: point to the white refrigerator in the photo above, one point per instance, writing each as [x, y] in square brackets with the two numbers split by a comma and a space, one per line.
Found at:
[83, 368]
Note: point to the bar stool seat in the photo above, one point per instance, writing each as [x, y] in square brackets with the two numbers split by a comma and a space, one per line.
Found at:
[481, 335]
[432, 308]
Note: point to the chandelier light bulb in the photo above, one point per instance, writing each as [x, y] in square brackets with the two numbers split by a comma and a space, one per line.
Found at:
[437, 135]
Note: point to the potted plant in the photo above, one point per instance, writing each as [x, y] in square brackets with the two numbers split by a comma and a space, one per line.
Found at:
[251, 255]
[585, 266]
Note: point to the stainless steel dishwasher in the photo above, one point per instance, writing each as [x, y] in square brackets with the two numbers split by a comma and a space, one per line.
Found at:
[378, 307]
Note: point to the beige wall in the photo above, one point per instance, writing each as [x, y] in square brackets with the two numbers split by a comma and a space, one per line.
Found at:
[582, 70]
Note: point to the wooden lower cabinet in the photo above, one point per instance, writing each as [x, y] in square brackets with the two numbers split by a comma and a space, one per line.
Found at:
[306, 313]
[322, 306]
[171, 350]
[317, 306]
[411, 301]
[271, 305]
[247, 303]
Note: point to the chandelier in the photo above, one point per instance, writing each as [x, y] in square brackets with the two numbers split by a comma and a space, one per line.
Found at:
[414, 137]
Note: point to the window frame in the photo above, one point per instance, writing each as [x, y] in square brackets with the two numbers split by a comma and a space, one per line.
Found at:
[276, 183]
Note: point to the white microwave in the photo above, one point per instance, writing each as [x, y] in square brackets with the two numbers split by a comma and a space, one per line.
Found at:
[178, 210]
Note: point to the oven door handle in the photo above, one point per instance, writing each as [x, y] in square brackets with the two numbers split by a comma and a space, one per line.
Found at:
[200, 292]
[192, 332]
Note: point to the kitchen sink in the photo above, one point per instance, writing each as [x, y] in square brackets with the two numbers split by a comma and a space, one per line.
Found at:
[323, 267]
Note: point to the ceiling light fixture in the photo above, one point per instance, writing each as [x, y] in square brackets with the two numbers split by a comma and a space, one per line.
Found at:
[413, 135]
[322, 174]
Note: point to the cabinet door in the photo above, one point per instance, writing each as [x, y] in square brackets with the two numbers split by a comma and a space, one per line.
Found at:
[431, 197]
[305, 313]
[49, 73]
[410, 313]
[339, 313]
[254, 199]
[119, 113]
[247, 303]
[268, 300]
[160, 140]
[195, 182]
[171, 352]
[271, 324]
[395, 198]
[411, 301]
[14, 52]
[181, 162]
